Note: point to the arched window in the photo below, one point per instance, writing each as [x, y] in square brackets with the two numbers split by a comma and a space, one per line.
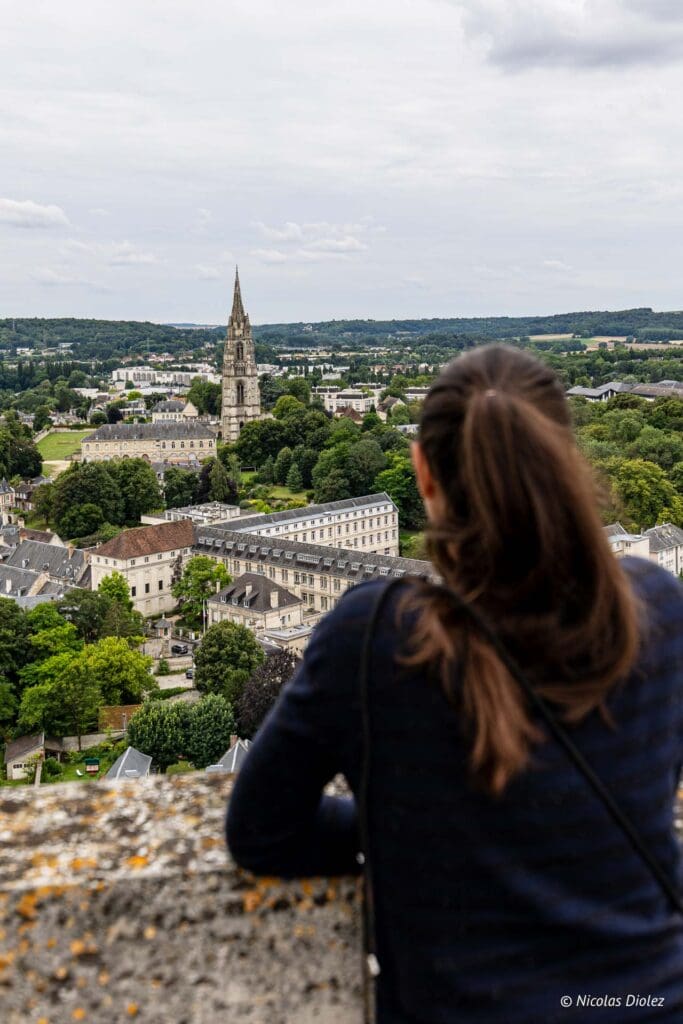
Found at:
[240, 392]
[239, 351]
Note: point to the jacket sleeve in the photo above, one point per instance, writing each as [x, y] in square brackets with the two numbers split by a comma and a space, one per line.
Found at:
[278, 821]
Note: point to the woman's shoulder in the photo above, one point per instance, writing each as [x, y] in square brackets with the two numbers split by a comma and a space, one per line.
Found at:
[654, 584]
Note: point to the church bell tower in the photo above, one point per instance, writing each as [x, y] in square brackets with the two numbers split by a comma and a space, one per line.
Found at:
[240, 398]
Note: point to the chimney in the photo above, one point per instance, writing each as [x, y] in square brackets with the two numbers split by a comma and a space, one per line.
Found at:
[274, 599]
[70, 548]
[247, 590]
[8, 586]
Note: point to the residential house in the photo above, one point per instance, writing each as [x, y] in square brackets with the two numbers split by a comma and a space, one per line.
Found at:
[65, 565]
[255, 601]
[174, 410]
[666, 547]
[624, 543]
[20, 753]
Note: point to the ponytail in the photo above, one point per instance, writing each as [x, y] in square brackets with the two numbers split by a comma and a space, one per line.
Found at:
[522, 540]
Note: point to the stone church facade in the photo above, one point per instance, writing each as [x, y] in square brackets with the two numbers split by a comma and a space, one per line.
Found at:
[240, 398]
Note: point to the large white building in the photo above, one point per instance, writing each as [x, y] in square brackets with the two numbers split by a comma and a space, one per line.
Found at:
[158, 442]
[151, 559]
[369, 523]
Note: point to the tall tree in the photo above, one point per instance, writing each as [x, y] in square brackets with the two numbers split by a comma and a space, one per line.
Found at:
[221, 487]
[180, 487]
[210, 724]
[262, 689]
[138, 486]
[116, 587]
[159, 729]
[225, 659]
[201, 578]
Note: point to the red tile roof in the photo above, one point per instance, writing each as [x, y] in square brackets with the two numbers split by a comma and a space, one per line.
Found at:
[149, 540]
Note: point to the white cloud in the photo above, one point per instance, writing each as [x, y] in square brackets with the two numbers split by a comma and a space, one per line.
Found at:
[558, 265]
[207, 273]
[57, 278]
[123, 254]
[269, 255]
[24, 213]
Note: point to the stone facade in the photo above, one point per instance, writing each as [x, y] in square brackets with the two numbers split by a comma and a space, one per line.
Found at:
[257, 602]
[369, 523]
[241, 398]
[150, 558]
[174, 442]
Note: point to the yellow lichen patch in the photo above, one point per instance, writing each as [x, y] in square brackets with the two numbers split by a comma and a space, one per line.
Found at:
[26, 906]
[78, 1014]
[103, 978]
[209, 842]
[150, 931]
[43, 860]
[61, 973]
[132, 1009]
[137, 861]
[331, 893]
[302, 931]
[77, 947]
[81, 982]
[251, 900]
[24, 927]
[24, 947]
[3, 934]
[42, 1020]
[83, 863]
[307, 887]
[6, 959]
[51, 943]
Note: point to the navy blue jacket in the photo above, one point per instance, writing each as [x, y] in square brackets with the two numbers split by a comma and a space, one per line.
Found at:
[488, 909]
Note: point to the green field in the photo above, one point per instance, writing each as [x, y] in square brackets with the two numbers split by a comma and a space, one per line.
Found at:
[61, 444]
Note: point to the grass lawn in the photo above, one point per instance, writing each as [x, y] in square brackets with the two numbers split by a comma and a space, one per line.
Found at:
[61, 444]
[179, 768]
[284, 494]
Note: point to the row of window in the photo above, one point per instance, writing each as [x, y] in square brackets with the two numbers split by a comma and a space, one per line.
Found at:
[148, 587]
[146, 558]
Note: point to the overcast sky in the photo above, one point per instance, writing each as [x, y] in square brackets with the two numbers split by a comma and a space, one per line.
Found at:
[364, 158]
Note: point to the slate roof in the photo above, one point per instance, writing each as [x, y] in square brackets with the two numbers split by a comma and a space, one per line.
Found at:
[130, 761]
[615, 529]
[5, 487]
[149, 540]
[233, 759]
[171, 405]
[250, 522]
[664, 537]
[64, 564]
[15, 582]
[258, 598]
[350, 564]
[23, 745]
[151, 431]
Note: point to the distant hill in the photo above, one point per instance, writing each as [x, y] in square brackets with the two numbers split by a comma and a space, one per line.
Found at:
[112, 339]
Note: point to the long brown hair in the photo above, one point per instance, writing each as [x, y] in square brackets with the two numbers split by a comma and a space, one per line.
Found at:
[522, 541]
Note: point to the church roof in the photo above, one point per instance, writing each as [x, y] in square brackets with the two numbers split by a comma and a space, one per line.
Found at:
[237, 306]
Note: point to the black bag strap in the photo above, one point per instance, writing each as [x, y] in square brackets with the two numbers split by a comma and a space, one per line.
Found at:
[371, 964]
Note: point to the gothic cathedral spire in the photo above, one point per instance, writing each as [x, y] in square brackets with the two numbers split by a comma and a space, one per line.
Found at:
[240, 398]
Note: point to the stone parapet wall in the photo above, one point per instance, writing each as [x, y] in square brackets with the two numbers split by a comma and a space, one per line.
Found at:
[120, 903]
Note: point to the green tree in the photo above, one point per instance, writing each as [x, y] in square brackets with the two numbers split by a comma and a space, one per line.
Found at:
[87, 483]
[180, 487]
[282, 465]
[41, 418]
[81, 520]
[124, 674]
[262, 689]
[266, 474]
[225, 659]
[78, 694]
[294, 481]
[210, 725]
[201, 578]
[646, 493]
[138, 486]
[286, 406]
[43, 501]
[259, 439]
[8, 705]
[333, 487]
[15, 650]
[399, 482]
[115, 586]
[98, 418]
[159, 729]
[205, 396]
[221, 487]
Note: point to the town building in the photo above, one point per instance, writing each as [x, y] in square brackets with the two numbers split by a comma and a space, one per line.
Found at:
[139, 376]
[240, 396]
[62, 564]
[603, 392]
[21, 754]
[666, 547]
[202, 515]
[174, 442]
[28, 588]
[174, 410]
[624, 543]
[150, 558]
[256, 601]
[318, 574]
[369, 523]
